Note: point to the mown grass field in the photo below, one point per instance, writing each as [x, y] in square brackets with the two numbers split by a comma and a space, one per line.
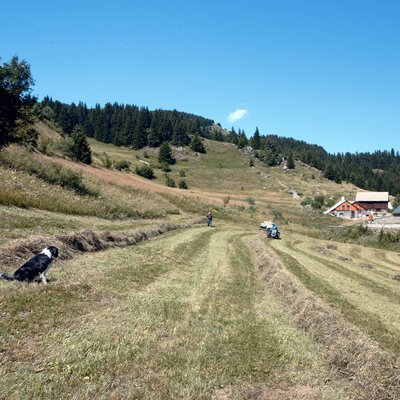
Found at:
[359, 282]
[196, 313]
[183, 316]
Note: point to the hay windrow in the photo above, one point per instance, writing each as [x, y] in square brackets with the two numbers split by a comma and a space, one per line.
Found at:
[84, 241]
[374, 373]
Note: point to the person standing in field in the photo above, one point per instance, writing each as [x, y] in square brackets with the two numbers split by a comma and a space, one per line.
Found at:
[209, 219]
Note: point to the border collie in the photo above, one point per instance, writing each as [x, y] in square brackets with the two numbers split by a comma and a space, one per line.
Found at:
[35, 268]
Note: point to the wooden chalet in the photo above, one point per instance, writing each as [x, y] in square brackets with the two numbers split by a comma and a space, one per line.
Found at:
[347, 209]
[373, 201]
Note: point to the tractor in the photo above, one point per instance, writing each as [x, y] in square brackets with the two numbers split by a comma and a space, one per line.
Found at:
[271, 229]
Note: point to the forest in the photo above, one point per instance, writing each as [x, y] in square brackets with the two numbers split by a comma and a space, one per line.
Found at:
[130, 125]
[137, 127]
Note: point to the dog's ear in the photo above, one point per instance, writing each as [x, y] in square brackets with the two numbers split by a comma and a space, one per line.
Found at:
[53, 250]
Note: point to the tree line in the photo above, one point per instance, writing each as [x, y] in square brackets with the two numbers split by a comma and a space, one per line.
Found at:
[137, 127]
[376, 171]
[127, 125]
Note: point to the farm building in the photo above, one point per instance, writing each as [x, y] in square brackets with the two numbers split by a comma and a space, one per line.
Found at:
[374, 201]
[396, 212]
[347, 209]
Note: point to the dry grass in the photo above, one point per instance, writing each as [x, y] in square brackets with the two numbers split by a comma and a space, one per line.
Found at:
[372, 372]
[180, 316]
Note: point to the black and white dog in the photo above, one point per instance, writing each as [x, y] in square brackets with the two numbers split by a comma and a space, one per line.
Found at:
[35, 268]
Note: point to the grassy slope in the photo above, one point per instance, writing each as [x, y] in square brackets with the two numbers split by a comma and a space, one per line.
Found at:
[187, 314]
[224, 169]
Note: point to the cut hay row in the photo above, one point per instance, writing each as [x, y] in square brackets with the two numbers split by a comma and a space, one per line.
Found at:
[374, 373]
[84, 241]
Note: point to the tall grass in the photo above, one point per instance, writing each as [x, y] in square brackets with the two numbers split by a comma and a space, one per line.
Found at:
[21, 159]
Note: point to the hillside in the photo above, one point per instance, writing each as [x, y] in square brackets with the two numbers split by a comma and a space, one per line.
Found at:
[146, 301]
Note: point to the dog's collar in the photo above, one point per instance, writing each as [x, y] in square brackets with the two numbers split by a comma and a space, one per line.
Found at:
[46, 251]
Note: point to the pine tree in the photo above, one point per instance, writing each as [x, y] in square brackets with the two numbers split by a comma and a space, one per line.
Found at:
[179, 136]
[197, 145]
[270, 158]
[165, 154]
[329, 172]
[233, 136]
[290, 162]
[139, 139]
[80, 147]
[243, 141]
[255, 141]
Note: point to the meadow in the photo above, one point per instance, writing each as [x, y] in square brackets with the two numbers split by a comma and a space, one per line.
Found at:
[147, 302]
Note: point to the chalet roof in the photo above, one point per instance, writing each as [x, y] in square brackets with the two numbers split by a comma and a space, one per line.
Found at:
[372, 196]
[396, 211]
[333, 208]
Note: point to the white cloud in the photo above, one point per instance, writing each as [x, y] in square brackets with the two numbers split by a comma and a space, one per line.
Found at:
[237, 115]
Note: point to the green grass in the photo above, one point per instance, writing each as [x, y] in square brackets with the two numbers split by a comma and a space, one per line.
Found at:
[178, 317]
[326, 279]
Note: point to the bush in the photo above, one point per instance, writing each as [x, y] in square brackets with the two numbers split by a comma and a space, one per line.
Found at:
[182, 184]
[145, 171]
[169, 181]
[251, 200]
[182, 173]
[44, 145]
[122, 165]
[165, 167]
[106, 161]
[317, 203]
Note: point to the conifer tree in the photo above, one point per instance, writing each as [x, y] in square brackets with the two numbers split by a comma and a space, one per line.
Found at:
[197, 145]
[243, 141]
[290, 162]
[165, 154]
[255, 140]
[233, 136]
[80, 147]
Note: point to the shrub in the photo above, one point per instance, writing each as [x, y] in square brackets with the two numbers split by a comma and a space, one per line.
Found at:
[251, 200]
[122, 165]
[182, 173]
[145, 171]
[44, 144]
[106, 161]
[319, 201]
[169, 181]
[182, 184]
[165, 167]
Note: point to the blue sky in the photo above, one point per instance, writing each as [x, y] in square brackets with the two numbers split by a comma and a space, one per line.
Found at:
[327, 72]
